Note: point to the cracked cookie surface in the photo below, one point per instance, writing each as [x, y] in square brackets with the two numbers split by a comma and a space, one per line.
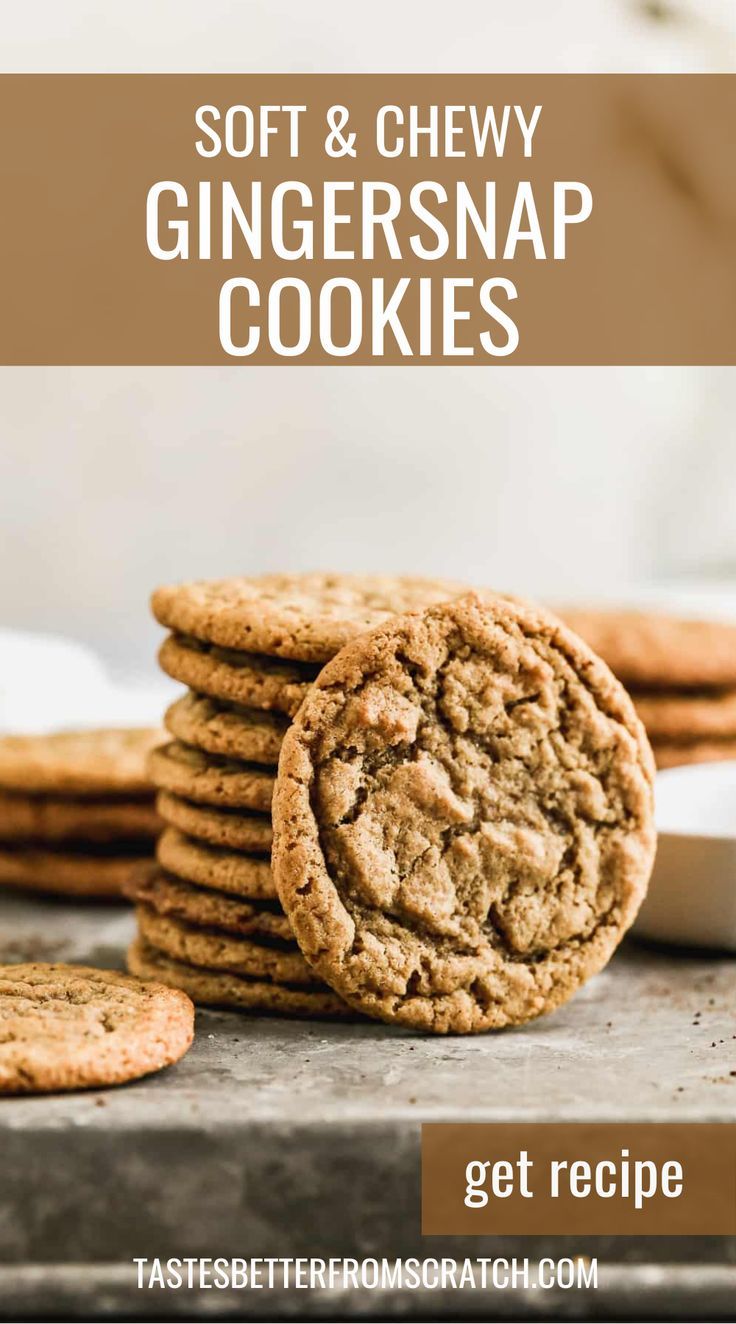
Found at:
[463, 818]
[68, 1027]
[304, 617]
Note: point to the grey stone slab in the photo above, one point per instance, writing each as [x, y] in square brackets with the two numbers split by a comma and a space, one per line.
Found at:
[276, 1137]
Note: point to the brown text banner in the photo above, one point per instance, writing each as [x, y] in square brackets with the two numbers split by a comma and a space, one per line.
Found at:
[338, 219]
[605, 1179]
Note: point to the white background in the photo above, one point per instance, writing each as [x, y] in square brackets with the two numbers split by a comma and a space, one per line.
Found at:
[557, 482]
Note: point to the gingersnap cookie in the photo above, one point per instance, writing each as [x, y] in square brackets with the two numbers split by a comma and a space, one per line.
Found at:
[78, 763]
[266, 683]
[227, 729]
[463, 821]
[216, 950]
[51, 819]
[659, 652]
[231, 828]
[67, 1027]
[675, 754]
[210, 866]
[674, 716]
[69, 873]
[303, 617]
[205, 908]
[217, 988]
[209, 779]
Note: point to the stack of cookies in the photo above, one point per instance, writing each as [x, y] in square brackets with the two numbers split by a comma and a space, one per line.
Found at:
[462, 811]
[248, 649]
[76, 810]
[680, 673]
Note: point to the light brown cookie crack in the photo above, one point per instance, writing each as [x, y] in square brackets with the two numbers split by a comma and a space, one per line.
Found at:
[537, 803]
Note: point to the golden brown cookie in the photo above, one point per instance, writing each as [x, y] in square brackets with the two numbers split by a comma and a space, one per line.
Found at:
[215, 950]
[674, 754]
[50, 819]
[210, 780]
[303, 617]
[234, 829]
[210, 866]
[676, 716]
[68, 1027]
[227, 729]
[78, 763]
[217, 988]
[659, 652]
[67, 873]
[257, 682]
[463, 822]
[203, 907]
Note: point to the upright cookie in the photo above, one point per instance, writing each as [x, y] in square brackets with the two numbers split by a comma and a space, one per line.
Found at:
[208, 779]
[65, 1027]
[463, 821]
[656, 651]
[257, 682]
[218, 988]
[303, 617]
[78, 763]
[227, 729]
[209, 866]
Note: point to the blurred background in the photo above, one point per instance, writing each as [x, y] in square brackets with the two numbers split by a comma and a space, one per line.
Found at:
[559, 483]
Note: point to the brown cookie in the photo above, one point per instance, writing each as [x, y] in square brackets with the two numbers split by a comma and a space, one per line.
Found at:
[257, 682]
[43, 818]
[78, 873]
[211, 988]
[205, 908]
[659, 652]
[210, 780]
[673, 716]
[303, 617]
[675, 754]
[67, 1027]
[226, 729]
[233, 829]
[209, 866]
[463, 822]
[216, 950]
[78, 763]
